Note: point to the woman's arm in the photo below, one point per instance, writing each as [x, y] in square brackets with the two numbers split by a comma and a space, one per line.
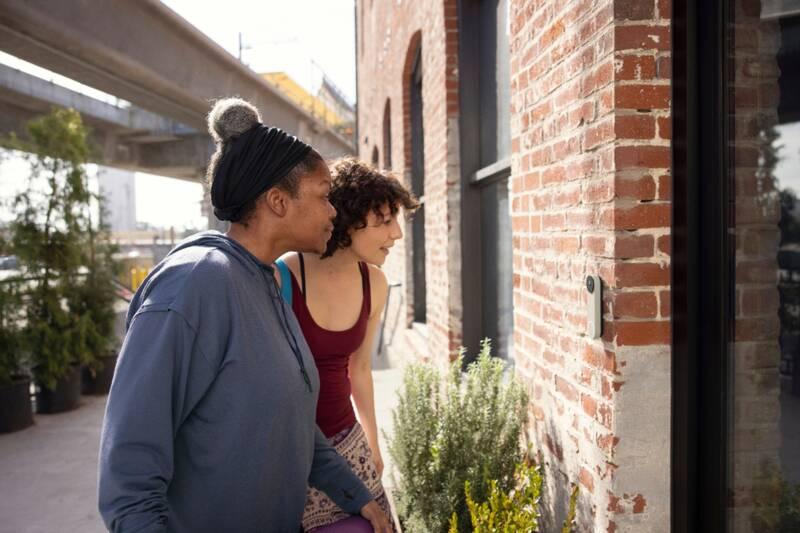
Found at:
[361, 366]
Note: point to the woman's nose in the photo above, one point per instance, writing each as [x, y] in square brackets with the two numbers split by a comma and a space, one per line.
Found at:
[397, 231]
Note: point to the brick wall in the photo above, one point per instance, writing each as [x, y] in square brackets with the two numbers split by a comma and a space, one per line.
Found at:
[389, 35]
[591, 195]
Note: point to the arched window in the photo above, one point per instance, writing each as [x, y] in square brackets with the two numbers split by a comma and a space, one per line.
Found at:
[375, 156]
[418, 187]
[387, 135]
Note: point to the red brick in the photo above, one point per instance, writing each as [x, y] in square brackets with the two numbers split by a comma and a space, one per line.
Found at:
[636, 188]
[664, 68]
[592, 355]
[643, 216]
[665, 9]
[568, 245]
[586, 479]
[580, 218]
[642, 37]
[626, 157]
[607, 442]
[598, 134]
[635, 67]
[634, 246]
[589, 405]
[567, 197]
[605, 416]
[598, 191]
[553, 175]
[635, 127]
[665, 299]
[642, 333]
[633, 9]
[665, 128]
[595, 245]
[642, 96]
[665, 244]
[635, 305]
[566, 389]
[641, 275]
[639, 504]
[664, 188]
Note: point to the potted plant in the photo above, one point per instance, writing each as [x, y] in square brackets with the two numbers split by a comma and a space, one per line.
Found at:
[15, 401]
[95, 299]
[47, 239]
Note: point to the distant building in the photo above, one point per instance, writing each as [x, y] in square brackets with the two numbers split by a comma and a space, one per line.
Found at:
[329, 105]
[333, 98]
[118, 188]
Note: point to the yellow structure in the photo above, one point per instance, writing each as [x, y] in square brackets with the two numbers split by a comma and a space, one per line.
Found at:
[303, 98]
[137, 277]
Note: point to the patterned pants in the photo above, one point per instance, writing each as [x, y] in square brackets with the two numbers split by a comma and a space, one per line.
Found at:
[351, 444]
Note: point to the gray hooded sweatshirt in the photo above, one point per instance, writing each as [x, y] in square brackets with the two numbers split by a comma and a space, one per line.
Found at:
[210, 425]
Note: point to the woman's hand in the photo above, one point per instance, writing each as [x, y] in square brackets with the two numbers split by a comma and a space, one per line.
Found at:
[376, 517]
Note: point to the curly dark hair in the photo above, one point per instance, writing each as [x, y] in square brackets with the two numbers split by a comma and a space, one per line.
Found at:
[357, 189]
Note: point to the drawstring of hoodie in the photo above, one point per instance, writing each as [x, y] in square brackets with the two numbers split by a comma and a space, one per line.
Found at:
[284, 320]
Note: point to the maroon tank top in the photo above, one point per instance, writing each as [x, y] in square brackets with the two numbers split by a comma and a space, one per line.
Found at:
[331, 351]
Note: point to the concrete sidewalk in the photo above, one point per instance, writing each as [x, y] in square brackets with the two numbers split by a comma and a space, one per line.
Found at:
[48, 472]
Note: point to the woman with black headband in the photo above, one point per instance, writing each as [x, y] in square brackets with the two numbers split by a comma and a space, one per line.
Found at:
[210, 420]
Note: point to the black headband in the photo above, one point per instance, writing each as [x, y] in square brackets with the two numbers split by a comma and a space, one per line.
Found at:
[254, 162]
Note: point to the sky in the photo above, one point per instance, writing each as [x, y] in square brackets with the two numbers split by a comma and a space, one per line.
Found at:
[304, 38]
[300, 37]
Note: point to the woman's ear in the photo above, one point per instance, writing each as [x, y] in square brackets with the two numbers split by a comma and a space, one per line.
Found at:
[277, 201]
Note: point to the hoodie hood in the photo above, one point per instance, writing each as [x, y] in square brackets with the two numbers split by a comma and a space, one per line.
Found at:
[215, 239]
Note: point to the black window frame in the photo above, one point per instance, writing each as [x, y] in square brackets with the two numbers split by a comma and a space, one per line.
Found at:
[417, 116]
[701, 272]
[485, 163]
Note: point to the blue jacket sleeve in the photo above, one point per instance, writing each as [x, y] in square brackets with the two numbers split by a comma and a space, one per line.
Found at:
[160, 376]
[331, 474]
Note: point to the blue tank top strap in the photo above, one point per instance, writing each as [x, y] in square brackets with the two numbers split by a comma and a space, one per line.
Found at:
[286, 281]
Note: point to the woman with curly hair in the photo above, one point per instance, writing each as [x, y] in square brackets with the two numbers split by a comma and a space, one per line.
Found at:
[338, 298]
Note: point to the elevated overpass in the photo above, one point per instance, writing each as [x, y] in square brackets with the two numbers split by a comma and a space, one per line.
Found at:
[126, 137]
[143, 52]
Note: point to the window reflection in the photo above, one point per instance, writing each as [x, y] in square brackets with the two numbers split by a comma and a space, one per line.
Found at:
[764, 167]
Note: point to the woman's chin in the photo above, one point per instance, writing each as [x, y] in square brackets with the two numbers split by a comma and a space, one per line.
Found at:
[380, 258]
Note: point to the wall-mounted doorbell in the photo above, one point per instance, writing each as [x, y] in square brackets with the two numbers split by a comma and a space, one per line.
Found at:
[594, 307]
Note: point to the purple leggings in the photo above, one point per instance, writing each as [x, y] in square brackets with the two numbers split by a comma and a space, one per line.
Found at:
[353, 524]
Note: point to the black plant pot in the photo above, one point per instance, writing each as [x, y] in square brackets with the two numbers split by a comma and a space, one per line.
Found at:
[100, 382]
[64, 397]
[16, 411]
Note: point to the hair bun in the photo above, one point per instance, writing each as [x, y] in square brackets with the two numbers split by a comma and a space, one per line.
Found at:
[230, 117]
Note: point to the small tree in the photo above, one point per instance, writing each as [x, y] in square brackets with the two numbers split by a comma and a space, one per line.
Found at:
[94, 295]
[48, 237]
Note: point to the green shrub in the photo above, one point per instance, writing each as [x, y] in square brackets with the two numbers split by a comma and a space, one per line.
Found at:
[508, 512]
[517, 510]
[465, 428]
